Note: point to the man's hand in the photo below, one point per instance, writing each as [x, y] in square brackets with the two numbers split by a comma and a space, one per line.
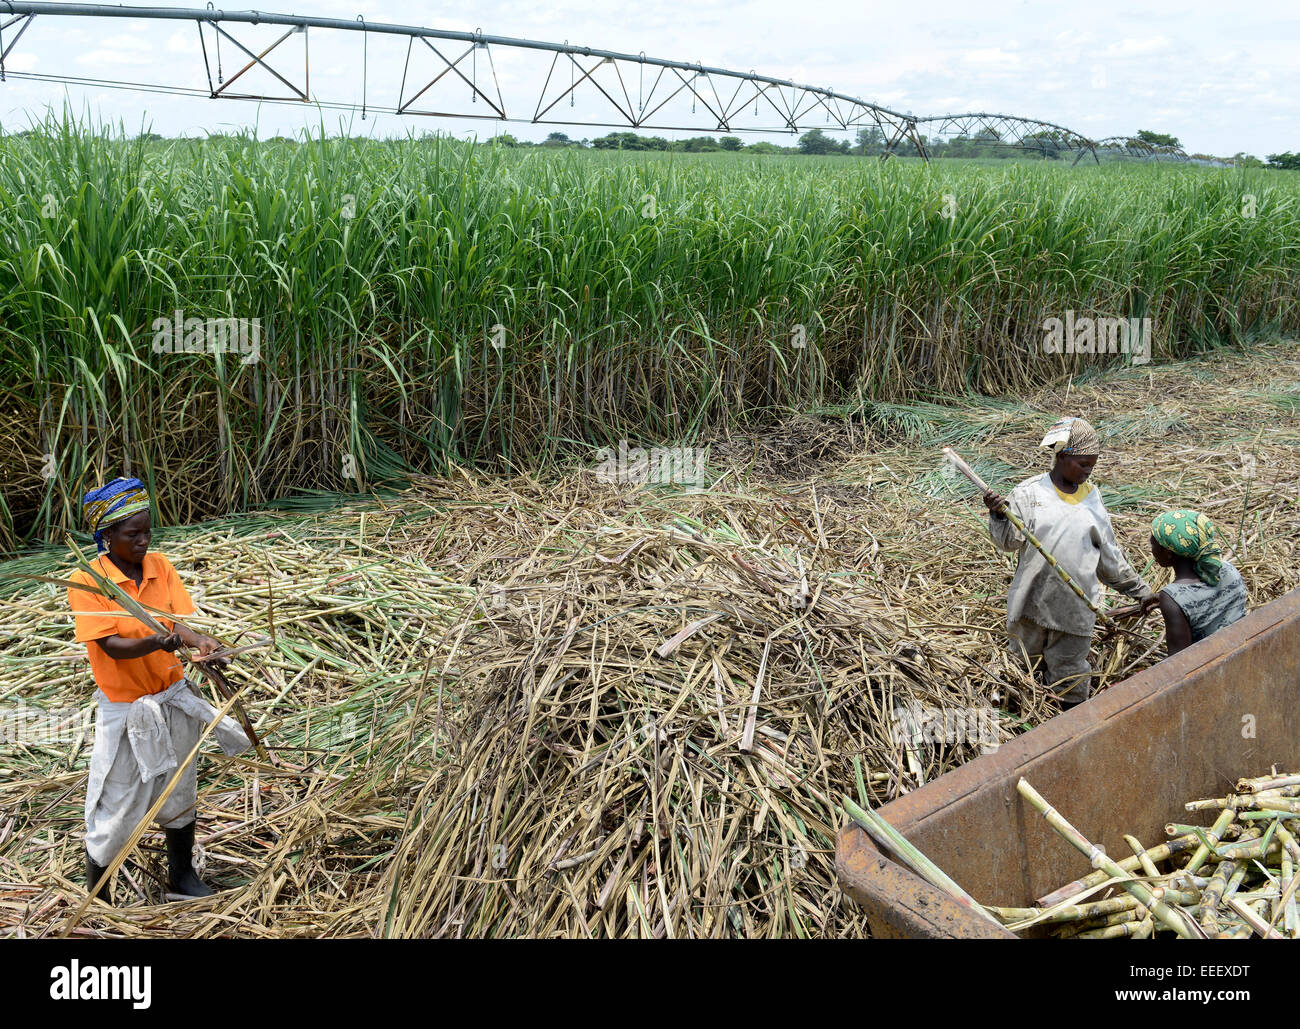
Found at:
[995, 502]
[1146, 606]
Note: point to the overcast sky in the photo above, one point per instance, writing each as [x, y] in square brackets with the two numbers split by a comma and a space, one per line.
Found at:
[1220, 77]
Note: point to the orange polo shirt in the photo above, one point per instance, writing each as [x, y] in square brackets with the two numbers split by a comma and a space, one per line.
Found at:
[98, 617]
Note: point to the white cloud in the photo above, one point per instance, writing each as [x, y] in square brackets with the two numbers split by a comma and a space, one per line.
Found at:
[184, 43]
[992, 57]
[21, 62]
[1073, 38]
[1137, 47]
[104, 59]
[125, 41]
[116, 51]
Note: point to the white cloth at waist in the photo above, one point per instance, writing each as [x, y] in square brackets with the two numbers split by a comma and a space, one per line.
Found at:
[146, 729]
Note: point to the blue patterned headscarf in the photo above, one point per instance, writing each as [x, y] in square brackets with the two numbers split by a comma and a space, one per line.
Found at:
[109, 504]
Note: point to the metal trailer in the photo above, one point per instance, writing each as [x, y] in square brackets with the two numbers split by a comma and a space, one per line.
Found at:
[1126, 761]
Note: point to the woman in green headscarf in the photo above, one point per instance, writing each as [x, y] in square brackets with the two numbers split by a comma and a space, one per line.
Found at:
[1207, 592]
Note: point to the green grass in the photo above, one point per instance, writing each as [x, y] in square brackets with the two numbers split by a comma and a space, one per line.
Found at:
[376, 327]
[1151, 423]
[949, 421]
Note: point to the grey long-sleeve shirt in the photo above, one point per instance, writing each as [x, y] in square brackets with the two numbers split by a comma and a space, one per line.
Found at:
[1081, 538]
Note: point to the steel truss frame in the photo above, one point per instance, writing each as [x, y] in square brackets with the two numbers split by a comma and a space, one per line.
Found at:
[722, 93]
[1131, 146]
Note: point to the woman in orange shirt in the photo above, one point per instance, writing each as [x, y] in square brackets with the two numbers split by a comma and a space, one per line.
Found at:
[149, 716]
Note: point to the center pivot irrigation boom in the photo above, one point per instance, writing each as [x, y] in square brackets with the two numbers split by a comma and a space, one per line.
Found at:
[635, 90]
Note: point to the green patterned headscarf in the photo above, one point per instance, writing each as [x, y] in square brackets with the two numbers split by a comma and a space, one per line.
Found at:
[1192, 535]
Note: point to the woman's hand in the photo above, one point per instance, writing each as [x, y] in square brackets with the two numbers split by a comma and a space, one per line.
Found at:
[995, 502]
[207, 645]
[169, 642]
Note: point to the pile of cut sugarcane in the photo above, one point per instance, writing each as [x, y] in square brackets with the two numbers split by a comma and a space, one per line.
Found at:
[1234, 879]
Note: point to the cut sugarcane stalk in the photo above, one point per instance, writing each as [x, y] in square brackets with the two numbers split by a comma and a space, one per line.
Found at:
[1225, 890]
[1235, 882]
[1214, 835]
[1212, 896]
[1175, 920]
[1068, 913]
[1111, 932]
[1140, 852]
[1266, 782]
[1232, 831]
[1287, 908]
[1261, 927]
[1137, 914]
[1251, 802]
[887, 836]
[1160, 853]
[225, 652]
[1290, 882]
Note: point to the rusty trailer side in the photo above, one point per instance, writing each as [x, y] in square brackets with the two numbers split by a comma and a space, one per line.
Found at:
[1126, 761]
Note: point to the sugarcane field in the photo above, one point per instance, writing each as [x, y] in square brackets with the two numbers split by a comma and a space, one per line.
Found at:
[886, 530]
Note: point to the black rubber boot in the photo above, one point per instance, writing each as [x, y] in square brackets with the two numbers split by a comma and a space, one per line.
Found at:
[94, 873]
[180, 865]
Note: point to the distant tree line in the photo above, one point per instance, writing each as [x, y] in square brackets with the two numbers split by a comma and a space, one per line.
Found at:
[867, 143]
[870, 142]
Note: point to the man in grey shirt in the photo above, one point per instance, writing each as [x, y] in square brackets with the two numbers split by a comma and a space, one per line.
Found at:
[1046, 620]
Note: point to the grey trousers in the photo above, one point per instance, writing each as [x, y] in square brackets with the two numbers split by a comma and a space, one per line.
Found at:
[1061, 658]
[124, 799]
